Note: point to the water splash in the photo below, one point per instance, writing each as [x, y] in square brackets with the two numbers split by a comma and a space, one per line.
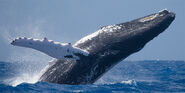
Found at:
[23, 78]
[30, 62]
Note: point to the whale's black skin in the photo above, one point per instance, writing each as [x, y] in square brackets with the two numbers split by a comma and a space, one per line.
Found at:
[107, 49]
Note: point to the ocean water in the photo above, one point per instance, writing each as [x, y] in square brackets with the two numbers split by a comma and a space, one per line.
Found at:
[127, 76]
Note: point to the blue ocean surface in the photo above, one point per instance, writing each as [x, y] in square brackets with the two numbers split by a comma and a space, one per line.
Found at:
[127, 76]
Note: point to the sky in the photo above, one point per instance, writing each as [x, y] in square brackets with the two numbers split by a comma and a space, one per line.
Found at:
[70, 20]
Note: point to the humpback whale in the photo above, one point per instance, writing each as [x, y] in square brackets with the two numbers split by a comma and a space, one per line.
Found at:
[89, 58]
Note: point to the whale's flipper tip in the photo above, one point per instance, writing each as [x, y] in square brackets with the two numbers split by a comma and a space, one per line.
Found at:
[13, 42]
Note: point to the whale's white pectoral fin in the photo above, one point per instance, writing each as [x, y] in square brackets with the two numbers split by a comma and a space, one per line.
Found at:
[51, 48]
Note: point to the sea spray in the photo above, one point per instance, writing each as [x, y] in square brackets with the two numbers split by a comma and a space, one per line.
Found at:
[29, 63]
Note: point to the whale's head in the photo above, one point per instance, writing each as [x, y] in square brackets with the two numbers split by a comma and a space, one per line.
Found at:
[126, 38]
[135, 34]
[152, 25]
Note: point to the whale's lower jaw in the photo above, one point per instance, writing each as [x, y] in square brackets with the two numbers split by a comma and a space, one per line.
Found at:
[106, 48]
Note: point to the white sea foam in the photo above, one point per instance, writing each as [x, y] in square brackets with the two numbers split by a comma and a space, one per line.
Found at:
[23, 78]
[130, 82]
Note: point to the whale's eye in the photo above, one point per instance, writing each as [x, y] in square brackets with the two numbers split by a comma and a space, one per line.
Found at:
[148, 18]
